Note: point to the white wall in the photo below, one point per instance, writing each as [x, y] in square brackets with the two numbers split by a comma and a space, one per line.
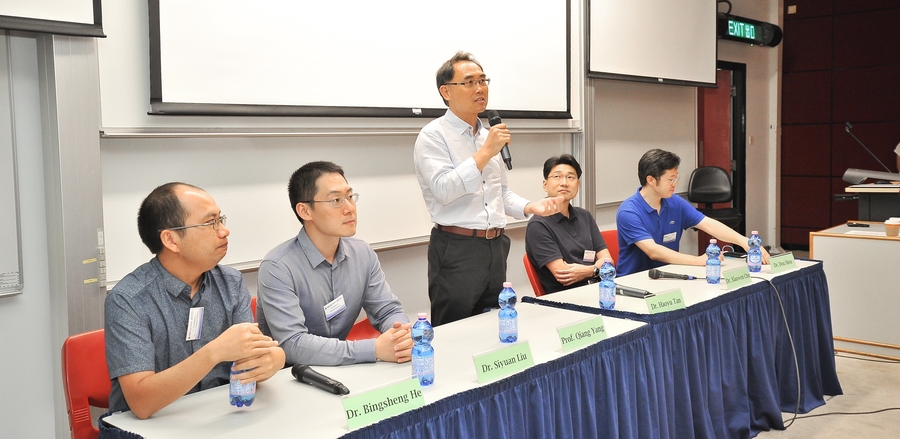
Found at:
[29, 359]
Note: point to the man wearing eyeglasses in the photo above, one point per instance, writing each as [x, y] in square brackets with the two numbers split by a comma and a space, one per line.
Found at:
[176, 324]
[651, 221]
[463, 182]
[313, 286]
[567, 247]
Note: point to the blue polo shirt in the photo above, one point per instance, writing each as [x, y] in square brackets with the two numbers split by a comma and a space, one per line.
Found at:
[637, 221]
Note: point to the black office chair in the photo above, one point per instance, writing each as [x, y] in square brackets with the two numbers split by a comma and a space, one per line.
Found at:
[711, 184]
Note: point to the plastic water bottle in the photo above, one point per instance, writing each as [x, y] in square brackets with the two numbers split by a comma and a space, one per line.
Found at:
[713, 265]
[754, 254]
[239, 394]
[607, 284]
[509, 317]
[422, 351]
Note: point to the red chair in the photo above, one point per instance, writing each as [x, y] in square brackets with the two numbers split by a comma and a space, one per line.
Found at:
[611, 237]
[533, 277]
[85, 381]
[363, 330]
[253, 307]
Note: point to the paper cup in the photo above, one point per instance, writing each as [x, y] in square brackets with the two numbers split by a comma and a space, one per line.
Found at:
[892, 227]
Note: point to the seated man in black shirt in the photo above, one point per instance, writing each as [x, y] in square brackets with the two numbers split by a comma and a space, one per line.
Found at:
[566, 247]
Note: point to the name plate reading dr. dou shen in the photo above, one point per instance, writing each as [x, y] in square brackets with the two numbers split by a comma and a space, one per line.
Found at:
[382, 403]
[782, 262]
[580, 334]
[503, 362]
[737, 277]
[666, 301]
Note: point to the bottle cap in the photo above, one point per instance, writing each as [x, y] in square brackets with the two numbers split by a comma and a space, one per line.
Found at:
[423, 315]
[712, 241]
[507, 284]
[607, 260]
[754, 232]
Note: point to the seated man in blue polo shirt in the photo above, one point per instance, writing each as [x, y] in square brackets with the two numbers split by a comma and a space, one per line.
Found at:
[566, 248]
[651, 221]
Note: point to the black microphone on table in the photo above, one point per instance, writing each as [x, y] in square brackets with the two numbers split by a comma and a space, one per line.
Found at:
[847, 127]
[305, 374]
[656, 274]
[494, 119]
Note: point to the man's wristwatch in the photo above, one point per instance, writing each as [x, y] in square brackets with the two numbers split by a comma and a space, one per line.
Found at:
[596, 272]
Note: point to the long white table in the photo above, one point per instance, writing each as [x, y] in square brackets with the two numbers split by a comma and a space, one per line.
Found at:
[287, 408]
[694, 291]
[725, 365]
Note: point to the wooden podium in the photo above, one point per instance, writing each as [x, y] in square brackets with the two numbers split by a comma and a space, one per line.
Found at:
[877, 202]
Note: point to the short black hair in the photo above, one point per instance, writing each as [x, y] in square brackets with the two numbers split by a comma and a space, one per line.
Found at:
[565, 159]
[302, 187]
[159, 211]
[445, 73]
[655, 163]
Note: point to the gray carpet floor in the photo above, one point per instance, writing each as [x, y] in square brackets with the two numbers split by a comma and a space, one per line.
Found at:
[869, 385]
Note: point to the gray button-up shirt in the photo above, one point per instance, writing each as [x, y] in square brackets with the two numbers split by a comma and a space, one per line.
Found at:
[147, 318]
[295, 284]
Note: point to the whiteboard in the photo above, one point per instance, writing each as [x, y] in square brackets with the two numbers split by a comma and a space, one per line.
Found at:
[661, 41]
[631, 118]
[248, 179]
[10, 234]
[353, 57]
[64, 17]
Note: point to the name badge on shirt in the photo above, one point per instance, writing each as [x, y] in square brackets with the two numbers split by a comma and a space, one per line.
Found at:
[195, 324]
[335, 307]
[589, 256]
[669, 237]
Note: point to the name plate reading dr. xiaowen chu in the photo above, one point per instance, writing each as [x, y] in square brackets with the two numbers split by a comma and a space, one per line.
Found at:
[737, 277]
[503, 362]
[382, 403]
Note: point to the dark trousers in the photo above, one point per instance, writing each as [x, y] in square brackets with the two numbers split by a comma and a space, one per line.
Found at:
[465, 274]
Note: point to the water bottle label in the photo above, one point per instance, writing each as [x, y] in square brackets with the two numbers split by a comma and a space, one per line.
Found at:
[755, 258]
[236, 388]
[509, 326]
[423, 365]
[713, 273]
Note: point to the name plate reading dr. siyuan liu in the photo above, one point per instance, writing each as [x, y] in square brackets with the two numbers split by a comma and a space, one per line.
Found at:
[665, 301]
[782, 262]
[382, 403]
[580, 334]
[737, 277]
[503, 362]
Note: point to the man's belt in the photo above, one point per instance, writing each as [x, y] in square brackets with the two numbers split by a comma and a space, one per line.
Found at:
[474, 233]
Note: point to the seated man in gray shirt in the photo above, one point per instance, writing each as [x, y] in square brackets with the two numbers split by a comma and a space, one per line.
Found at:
[176, 324]
[313, 286]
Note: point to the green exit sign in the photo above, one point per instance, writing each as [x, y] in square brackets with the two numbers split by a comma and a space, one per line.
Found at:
[740, 29]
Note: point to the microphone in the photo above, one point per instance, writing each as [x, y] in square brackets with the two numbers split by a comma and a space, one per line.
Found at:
[847, 127]
[305, 374]
[656, 274]
[494, 119]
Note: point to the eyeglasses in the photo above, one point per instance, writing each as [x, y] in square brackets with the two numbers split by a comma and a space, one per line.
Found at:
[673, 181]
[214, 223]
[569, 178]
[337, 202]
[484, 82]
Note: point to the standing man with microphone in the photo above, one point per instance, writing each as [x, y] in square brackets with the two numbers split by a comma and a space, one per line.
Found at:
[464, 185]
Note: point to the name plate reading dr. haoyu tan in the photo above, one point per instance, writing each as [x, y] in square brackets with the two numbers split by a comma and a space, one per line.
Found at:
[503, 362]
[381, 403]
[665, 301]
[580, 334]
